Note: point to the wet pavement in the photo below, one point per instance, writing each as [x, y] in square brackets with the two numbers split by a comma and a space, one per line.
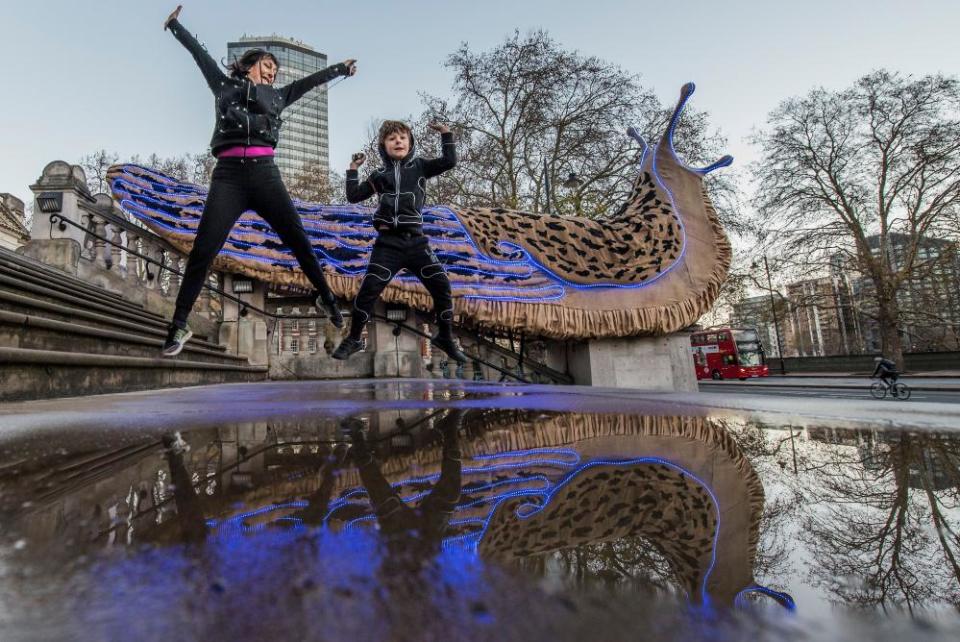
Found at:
[421, 510]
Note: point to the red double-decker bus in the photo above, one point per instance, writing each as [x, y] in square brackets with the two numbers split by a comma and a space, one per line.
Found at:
[728, 353]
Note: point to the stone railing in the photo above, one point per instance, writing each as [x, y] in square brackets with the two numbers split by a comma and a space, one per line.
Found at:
[91, 237]
[138, 256]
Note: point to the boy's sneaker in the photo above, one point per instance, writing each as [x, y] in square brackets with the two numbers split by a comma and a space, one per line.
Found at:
[347, 347]
[448, 345]
[332, 310]
[176, 338]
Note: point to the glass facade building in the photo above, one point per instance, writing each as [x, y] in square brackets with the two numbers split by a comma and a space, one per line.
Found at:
[303, 135]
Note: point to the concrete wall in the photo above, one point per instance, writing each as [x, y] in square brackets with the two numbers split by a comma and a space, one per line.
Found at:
[319, 365]
[646, 363]
[915, 362]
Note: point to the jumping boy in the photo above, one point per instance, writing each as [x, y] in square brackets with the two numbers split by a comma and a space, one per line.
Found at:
[401, 187]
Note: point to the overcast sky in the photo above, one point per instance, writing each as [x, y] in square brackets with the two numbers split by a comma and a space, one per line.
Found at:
[88, 75]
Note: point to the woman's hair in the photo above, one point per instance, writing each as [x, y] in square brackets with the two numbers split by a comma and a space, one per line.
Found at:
[250, 57]
[392, 126]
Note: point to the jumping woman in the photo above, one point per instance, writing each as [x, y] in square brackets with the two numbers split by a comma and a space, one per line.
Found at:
[245, 177]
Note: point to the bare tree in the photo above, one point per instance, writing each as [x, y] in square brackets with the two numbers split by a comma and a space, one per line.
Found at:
[528, 109]
[887, 518]
[865, 176]
[312, 183]
[193, 168]
[95, 166]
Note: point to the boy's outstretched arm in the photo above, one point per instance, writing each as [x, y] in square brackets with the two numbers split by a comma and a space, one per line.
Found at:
[448, 158]
[208, 66]
[357, 191]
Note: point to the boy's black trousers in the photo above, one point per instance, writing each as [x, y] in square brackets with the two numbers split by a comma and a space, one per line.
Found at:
[392, 252]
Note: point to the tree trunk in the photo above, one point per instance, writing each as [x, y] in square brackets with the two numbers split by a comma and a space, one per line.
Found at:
[889, 318]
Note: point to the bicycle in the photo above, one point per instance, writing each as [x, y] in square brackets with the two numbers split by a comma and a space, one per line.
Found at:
[897, 390]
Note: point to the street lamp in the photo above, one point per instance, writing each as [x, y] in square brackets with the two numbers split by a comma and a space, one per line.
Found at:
[50, 202]
[546, 187]
[396, 312]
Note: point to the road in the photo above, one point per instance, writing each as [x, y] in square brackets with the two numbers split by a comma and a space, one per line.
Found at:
[939, 390]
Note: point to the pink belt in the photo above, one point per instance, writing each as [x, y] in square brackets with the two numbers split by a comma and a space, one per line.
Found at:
[242, 151]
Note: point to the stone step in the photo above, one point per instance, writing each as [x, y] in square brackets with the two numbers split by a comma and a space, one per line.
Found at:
[74, 313]
[122, 310]
[40, 267]
[19, 330]
[27, 374]
[93, 295]
[28, 265]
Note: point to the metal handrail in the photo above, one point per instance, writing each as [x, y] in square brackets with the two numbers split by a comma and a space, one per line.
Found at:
[244, 306]
[556, 375]
[57, 218]
[421, 333]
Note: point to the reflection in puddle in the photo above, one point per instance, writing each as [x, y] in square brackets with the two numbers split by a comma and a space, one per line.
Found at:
[468, 510]
[877, 513]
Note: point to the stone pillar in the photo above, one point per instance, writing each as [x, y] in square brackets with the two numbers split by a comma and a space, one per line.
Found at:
[645, 363]
[436, 356]
[203, 303]
[116, 253]
[176, 267]
[101, 252]
[390, 350]
[49, 244]
[151, 271]
[467, 371]
[134, 275]
[245, 334]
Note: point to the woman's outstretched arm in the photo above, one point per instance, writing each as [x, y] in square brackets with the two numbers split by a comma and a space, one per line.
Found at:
[208, 66]
[295, 90]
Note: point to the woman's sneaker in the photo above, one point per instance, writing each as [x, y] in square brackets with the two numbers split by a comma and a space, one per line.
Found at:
[347, 347]
[332, 310]
[176, 338]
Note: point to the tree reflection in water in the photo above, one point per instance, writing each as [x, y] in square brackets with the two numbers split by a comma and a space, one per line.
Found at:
[877, 512]
[883, 519]
[632, 564]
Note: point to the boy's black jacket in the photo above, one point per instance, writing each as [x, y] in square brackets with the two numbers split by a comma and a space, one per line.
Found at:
[248, 113]
[401, 186]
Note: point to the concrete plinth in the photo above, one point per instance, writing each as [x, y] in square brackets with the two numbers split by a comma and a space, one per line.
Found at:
[394, 356]
[644, 363]
[62, 254]
[246, 335]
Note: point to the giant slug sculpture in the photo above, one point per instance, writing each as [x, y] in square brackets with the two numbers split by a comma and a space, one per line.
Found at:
[652, 269]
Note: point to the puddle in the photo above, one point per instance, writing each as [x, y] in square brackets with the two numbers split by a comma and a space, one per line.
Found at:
[477, 521]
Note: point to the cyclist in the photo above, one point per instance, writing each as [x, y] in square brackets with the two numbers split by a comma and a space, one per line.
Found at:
[886, 370]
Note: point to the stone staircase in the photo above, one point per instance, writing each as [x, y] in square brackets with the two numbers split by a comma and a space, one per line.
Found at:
[61, 336]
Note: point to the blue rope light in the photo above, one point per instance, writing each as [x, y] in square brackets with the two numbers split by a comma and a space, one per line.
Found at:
[784, 599]
[537, 500]
[726, 161]
[551, 493]
[137, 200]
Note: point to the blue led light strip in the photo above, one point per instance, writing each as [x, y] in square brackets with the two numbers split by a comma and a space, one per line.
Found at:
[784, 599]
[548, 496]
[519, 292]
